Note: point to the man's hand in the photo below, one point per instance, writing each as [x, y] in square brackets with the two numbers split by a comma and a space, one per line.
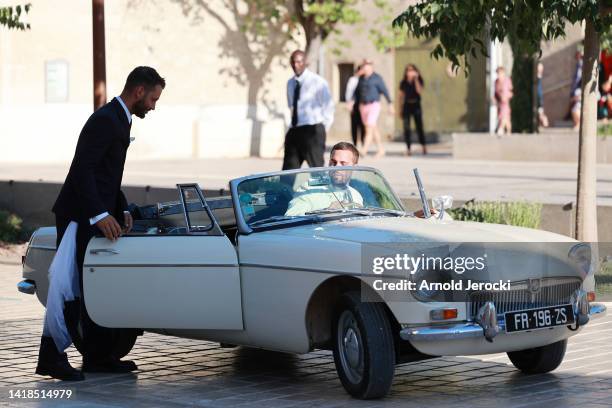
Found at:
[421, 213]
[128, 221]
[109, 227]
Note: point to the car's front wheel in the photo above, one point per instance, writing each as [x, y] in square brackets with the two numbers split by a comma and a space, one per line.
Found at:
[540, 359]
[363, 347]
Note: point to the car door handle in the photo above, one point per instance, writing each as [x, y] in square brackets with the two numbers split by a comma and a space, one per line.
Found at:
[104, 251]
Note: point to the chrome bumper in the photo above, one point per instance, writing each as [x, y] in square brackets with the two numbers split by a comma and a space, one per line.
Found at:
[475, 330]
[27, 286]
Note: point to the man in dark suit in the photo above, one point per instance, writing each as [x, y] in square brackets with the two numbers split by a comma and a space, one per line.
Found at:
[91, 197]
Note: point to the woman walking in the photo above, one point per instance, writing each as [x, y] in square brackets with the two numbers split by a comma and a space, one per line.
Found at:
[503, 95]
[410, 90]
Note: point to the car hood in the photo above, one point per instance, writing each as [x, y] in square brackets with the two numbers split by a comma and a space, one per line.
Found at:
[512, 252]
[410, 229]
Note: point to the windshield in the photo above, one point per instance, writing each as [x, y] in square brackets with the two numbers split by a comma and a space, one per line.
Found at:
[316, 194]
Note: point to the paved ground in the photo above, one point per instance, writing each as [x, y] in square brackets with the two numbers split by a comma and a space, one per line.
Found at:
[176, 372]
[548, 182]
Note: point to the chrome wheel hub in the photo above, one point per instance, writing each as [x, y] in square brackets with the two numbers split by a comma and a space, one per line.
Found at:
[350, 347]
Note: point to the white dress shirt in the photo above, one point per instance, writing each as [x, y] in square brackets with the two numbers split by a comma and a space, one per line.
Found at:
[315, 104]
[351, 85]
[105, 214]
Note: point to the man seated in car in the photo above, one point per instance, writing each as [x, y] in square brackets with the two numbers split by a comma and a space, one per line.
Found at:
[335, 194]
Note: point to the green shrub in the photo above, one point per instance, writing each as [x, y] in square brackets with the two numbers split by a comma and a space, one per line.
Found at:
[605, 130]
[520, 214]
[10, 227]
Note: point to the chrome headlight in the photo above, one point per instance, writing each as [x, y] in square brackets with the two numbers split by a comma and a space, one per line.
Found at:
[424, 292]
[580, 255]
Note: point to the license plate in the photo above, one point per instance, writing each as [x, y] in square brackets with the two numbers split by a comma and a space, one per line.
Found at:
[539, 318]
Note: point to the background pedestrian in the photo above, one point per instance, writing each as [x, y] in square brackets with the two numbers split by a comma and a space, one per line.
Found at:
[410, 90]
[369, 89]
[357, 127]
[503, 95]
[542, 118]
[312, 114]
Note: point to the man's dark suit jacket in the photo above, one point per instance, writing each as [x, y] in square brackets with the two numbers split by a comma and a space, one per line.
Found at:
[93, 184]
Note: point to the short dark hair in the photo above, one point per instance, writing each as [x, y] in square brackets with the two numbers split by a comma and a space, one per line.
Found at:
[144, 76]
[296, 53]
[346, 146]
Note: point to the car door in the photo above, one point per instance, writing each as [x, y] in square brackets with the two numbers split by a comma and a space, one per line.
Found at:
[185, 279]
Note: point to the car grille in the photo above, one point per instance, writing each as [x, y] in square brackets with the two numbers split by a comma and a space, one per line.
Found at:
[553, 291]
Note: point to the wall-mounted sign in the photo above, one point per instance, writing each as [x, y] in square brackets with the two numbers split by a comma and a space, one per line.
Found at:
[56, 81]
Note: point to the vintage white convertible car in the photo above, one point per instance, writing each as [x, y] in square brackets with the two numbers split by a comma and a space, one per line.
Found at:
[280, 265]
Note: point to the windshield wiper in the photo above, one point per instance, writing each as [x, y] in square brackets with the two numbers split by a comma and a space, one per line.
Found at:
[385, 210]
[278, 218]
[363, 211]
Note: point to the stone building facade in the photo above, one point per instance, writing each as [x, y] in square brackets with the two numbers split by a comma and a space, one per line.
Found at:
[219, 101]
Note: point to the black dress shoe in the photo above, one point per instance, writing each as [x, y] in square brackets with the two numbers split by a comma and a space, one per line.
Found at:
[55, 364]
[62, 370]
[109, 365]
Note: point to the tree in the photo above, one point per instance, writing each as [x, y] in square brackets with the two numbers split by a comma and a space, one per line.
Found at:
[321, 18]
[10, 17]
[460, 24]
[606, 40]
[524, 112]
[258, 31]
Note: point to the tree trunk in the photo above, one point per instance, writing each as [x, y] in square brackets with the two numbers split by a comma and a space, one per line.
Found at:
[313, 45]
[255, 84]
[522, 102]
[586, 196]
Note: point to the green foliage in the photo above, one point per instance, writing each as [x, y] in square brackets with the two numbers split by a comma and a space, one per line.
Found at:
[10, 17]
[386, 38]
[605, 129]
[328, 13]
[320, 17]
[606, 40]
[324, 17]
[459, 24]
[520, 214]
[10, 227]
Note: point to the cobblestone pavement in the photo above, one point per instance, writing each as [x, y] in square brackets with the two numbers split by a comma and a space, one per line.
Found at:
[177, 372]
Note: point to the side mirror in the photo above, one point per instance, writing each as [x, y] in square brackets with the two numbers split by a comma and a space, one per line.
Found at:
[442, 203]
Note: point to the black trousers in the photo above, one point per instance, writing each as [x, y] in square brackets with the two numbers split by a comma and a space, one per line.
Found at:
[357, 127]
[413, 110]
[304, 143]
[94, 338]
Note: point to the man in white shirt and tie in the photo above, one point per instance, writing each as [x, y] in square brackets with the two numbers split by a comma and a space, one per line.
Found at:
[312, 114]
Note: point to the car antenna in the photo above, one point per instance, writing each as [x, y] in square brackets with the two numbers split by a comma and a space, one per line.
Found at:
[426, 211]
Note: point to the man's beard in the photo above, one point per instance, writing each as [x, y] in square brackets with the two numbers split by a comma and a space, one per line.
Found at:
[340, 180]
[139, 109]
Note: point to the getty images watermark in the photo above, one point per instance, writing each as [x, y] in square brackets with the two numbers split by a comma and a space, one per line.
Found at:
[412, 264]
[448, 272]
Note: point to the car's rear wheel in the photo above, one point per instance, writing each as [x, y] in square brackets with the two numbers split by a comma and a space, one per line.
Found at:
[540, 359]
[118, 342]
[363, 347]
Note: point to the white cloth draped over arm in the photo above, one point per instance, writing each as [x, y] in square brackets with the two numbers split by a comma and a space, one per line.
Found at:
[63, 287]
